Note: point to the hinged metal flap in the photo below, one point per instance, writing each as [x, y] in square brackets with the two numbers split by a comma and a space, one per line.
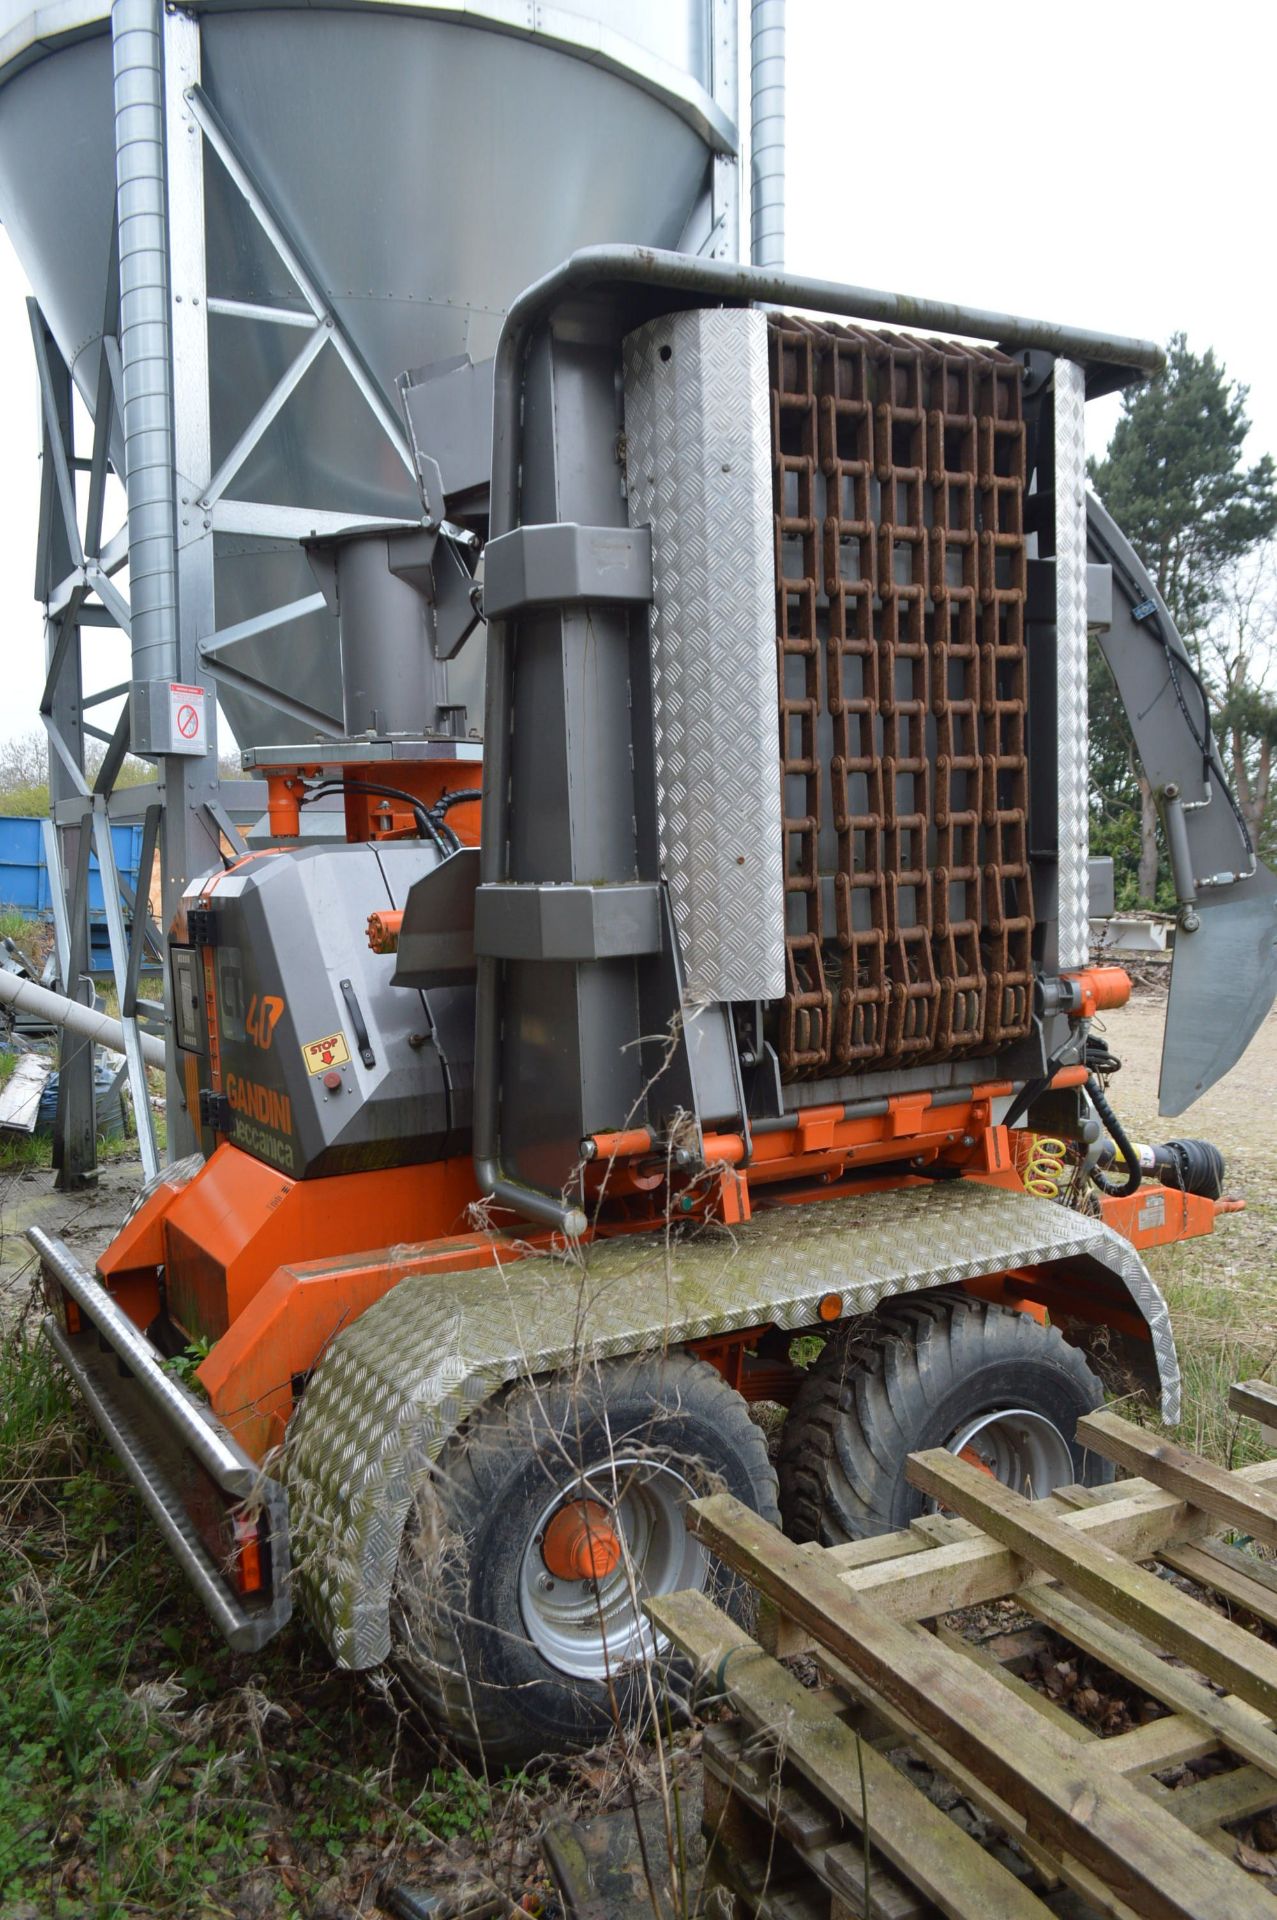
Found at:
[436, 940]
[1224, 974]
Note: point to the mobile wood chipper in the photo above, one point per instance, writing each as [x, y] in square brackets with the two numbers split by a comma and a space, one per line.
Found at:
[750, 1001]
[740, 993]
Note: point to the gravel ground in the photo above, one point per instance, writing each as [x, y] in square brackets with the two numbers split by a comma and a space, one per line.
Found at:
[1239, 1115]
[1220, 1288]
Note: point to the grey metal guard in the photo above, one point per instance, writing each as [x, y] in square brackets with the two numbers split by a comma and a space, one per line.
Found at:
[698, 469]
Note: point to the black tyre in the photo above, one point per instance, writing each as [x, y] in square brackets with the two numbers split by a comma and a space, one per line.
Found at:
[940, 1371]
[546, 1520]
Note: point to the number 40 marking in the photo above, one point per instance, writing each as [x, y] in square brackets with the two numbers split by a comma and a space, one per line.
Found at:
[263, 1018]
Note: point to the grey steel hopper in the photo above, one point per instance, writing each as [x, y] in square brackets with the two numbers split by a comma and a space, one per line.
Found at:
[422, 165]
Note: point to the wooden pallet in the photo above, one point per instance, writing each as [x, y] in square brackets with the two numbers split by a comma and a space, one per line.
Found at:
[799, 1780]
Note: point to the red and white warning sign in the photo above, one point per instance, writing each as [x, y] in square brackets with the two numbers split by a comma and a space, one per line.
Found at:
[187, 730]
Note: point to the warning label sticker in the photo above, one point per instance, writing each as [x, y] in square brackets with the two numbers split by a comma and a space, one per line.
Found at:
[332, 1051]
[187, 733]
[1152, 1212]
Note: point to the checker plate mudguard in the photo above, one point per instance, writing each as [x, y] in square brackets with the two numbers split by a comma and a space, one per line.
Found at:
[393, 1387]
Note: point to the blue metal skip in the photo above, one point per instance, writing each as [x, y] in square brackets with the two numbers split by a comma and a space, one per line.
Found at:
[24, 877]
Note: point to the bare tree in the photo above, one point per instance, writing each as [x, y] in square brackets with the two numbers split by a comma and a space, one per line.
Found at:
[1240, 657]
[24, 761]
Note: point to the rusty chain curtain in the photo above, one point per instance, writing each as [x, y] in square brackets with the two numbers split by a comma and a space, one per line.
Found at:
[899, 477]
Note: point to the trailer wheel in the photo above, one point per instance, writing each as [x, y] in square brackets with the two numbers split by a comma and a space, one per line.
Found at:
[987, 1382]
[546, 1520]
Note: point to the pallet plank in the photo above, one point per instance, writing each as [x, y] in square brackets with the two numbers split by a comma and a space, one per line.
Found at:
[1166, 1742]
[1251, 1509]
[1138, 1751]
[1238, 1577]
[1134, 1596]
[804, 1822]
[1139, 1524]
[1228, 1796]
[1235, 1576]
[971, 1572]
[1229, 1719]
[1256, 1400]
[937, 1857]
[1144, 1854]
[904, 1732]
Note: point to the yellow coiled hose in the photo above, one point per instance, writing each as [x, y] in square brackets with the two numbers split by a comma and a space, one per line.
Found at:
[1045, 1167]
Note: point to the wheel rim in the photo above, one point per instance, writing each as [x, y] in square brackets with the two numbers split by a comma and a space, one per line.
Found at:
[1022, 1449]
[588, 1628]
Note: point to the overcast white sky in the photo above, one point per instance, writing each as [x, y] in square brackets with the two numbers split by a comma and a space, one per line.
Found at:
[1109, 165]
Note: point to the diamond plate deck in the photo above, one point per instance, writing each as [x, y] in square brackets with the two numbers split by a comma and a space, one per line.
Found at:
[698, 466]
[393, 1387]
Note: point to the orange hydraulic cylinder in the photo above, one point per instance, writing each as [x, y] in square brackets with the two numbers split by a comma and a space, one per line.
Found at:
[1100, 989]
[283, 804]
[384, 929]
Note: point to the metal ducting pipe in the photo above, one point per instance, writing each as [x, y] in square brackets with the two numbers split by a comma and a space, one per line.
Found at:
[24, 996]
[767, 133]
[137, 49]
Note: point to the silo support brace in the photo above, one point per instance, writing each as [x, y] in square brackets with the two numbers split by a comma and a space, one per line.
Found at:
[191, 843]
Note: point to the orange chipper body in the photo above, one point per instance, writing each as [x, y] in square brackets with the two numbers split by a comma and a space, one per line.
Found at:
[269, 1268]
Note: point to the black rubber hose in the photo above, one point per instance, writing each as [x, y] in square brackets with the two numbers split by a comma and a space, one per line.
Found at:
[428, 829]
[441, 806]
[1099, 1101]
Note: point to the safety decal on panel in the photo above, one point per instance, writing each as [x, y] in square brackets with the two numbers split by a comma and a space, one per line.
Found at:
[319, 1055]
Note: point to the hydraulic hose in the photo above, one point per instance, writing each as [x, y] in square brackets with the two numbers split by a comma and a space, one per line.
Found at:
[1099, 1100]
[427, 826]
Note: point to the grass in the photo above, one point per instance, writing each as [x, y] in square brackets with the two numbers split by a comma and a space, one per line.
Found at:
[36, 1149]
[1223, 1334]
[29, 936]
[144, 1770]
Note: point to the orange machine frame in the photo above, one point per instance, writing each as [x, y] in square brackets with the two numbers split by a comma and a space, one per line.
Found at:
[269, 1269]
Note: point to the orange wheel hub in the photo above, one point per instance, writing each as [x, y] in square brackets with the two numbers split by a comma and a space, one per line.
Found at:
[973, 1459]
[581, 1543]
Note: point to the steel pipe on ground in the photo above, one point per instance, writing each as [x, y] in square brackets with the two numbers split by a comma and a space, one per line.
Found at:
[24, 996]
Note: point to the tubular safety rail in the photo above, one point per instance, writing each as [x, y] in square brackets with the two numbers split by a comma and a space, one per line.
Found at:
[899, 483]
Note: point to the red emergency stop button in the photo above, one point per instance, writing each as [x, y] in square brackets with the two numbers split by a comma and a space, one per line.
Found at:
[332, 1080]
